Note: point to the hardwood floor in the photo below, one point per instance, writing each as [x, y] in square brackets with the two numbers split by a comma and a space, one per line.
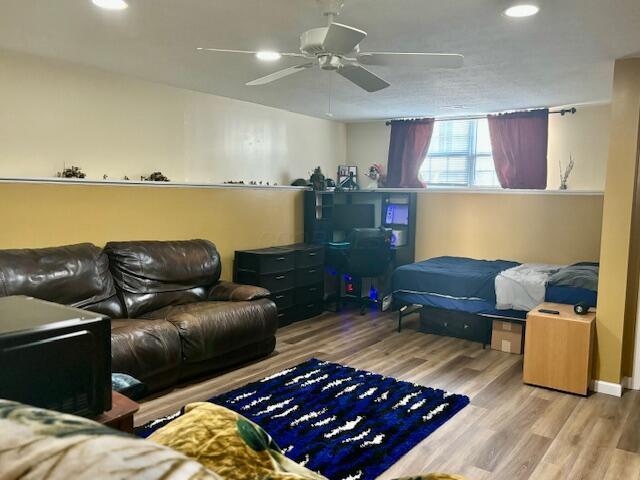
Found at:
[509, 431]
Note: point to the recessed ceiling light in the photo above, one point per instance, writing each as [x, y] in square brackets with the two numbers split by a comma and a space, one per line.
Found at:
[522, 10]
[268, 56]
[111, 4]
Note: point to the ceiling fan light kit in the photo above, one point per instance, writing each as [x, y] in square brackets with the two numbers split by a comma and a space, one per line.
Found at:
[336, 48]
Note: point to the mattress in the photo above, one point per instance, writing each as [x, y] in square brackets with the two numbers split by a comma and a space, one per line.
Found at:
[453, 283]
[570, 295]
[468, 285]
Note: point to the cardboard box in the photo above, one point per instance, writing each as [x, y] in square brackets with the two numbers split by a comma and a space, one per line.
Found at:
[507, 337]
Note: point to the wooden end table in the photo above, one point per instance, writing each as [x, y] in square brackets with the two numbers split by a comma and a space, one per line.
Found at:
[120, 417]
[558, 349]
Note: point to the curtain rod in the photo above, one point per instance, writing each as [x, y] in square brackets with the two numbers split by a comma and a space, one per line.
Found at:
[562, 112]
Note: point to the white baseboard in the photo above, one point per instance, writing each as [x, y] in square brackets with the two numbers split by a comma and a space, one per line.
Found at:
[607, 388]
[631, 383]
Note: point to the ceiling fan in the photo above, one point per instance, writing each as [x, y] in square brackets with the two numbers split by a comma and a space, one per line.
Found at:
[336, 47]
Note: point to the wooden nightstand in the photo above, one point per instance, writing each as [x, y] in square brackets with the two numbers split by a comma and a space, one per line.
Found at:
[121, 414]
[558, 349]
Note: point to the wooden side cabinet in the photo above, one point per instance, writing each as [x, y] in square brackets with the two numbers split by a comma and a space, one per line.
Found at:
[558, 349]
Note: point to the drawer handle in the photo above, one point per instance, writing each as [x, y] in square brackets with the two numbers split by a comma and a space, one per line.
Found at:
[281, 277]
[311, 305]
[311, 271]
[281, 259]
[312, 254]
[279, 297]
[313, 289]
[466, 326]
[446, 324]
[281, 315]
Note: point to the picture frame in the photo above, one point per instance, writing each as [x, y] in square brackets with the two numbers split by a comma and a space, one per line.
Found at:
[346, 172]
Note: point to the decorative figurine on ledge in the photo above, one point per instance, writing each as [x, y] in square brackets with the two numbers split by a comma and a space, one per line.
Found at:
[73, 172]
[317, 180]
[155, 177]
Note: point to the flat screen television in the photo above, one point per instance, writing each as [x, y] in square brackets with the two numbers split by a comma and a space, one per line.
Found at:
[346, 217]
[397, 214]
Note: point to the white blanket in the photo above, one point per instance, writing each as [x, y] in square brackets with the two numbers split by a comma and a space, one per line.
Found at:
[523, 287]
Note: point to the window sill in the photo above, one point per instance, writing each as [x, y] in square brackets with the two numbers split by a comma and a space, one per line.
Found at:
[492, 191]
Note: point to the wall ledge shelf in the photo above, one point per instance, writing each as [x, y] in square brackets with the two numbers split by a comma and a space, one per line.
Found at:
[141, 183]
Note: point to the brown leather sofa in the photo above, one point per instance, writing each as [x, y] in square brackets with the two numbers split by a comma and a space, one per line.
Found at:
[172, 317]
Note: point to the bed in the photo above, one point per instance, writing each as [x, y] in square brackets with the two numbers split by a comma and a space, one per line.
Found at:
[467, 287]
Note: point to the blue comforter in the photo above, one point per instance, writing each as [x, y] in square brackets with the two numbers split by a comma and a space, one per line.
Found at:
[451, 277]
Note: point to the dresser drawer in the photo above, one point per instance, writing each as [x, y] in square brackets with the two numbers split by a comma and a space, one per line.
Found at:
[274, 282]
[283, 299]
[287, 316]
[309, 275]
[268, 260]
[309, 257]
[312, 309]
[309, 294]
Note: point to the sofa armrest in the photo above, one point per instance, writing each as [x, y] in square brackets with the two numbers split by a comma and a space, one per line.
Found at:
[233, 292]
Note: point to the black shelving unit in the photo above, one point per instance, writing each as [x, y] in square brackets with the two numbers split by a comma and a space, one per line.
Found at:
[319, 217]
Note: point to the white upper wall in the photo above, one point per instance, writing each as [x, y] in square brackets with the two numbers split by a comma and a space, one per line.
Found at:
[584, 135]
[54, 114]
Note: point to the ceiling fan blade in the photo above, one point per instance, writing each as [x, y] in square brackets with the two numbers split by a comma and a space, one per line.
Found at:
[424, 60]
[342, 38]
[279, 74]
[248, 52]
[363, 78]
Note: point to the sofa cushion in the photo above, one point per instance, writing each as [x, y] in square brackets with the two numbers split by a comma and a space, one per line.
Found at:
[144, 348]
[211, 329]
[75, 275]
[151, 274]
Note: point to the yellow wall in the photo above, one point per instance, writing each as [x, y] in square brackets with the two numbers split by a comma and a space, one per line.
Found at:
[40, 215]
[549, 228]
[617, 221]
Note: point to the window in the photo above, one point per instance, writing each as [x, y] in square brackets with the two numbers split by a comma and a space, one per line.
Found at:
[460, 155]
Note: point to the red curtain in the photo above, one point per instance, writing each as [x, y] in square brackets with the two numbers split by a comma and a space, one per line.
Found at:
[519, 144]
[407, 150]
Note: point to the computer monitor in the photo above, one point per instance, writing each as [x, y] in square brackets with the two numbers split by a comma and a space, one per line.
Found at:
[356, 215]
[397, 214]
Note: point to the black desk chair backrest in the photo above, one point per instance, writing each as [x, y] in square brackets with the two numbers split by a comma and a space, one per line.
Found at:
[369, 254]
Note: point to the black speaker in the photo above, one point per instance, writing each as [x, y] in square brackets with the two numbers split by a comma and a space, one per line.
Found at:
[581, 308]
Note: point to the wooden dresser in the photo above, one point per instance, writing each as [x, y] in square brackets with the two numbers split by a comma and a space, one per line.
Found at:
[294, 274]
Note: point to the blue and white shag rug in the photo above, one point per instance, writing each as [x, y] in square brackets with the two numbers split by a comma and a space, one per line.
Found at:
[344, 423]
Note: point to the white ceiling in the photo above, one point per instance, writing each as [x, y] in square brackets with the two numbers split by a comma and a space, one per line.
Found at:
[562, 56]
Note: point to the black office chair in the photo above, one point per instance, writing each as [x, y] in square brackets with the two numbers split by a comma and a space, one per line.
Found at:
[368, 256]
